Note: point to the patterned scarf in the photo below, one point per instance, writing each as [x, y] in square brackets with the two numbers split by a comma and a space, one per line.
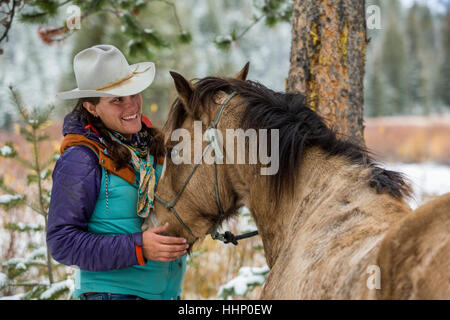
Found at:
[142, 162]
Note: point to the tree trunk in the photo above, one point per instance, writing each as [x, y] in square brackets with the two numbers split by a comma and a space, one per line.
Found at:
[327, 60]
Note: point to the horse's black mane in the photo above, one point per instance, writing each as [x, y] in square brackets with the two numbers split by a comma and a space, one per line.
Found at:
[299, 128]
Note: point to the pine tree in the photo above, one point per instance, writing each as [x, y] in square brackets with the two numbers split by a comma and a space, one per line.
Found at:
[393, 60]
[141, 38]
[444, 72]
[7, 121]
[421, 70]
[375, 104]
[15, 272]
[373, 82]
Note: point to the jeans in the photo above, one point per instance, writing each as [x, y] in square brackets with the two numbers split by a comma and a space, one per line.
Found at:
[109, 296]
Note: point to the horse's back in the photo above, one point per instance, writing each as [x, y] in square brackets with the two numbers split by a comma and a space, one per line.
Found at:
[414, 256]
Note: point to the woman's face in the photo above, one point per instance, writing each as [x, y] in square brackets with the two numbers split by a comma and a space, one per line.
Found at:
[121, 114]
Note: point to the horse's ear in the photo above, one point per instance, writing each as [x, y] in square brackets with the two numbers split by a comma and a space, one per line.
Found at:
[242, 75]
[184, 88]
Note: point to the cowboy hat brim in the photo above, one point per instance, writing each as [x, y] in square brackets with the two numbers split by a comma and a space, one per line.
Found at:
[137, 83]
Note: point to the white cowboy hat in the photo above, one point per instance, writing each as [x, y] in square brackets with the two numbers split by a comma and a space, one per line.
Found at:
[103, 71]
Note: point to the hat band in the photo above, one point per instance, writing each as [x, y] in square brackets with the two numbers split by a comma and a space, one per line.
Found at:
[114, 83]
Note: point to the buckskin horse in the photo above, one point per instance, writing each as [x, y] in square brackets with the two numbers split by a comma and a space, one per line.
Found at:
[327, 219]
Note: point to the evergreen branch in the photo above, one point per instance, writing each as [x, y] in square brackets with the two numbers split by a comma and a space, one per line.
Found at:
[46, 9]
[64, 3]
[22, 227]
[49, 35]
[43, 137]
[270, 14]
[25, 163]
[27, 284]
[17, 202]
[7, 189]
[18, 266]
[50, 161]
[8, 151]
[36, 209]
[224, 41]
[18, 103]
[175, 13]
[115, 12]
[42, 210]
[185, 36]
[8, 22]
[249, 27]
[9, 201]
[33, 17]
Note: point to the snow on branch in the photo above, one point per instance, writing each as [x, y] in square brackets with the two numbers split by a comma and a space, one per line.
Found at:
[7, 150]
[7, 198]
[3, 280]
[57, 288]
[9, 201]
[247, 279]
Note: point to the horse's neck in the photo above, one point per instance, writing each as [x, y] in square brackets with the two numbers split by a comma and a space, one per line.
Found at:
[274, 219]
[326, 189]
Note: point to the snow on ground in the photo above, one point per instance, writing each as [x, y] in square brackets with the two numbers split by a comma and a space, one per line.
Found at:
[427, 179]
[14, 297]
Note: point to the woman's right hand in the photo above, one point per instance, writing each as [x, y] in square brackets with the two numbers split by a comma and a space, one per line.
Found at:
[162, 248]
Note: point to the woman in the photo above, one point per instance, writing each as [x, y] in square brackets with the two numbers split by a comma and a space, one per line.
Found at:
[103, 186]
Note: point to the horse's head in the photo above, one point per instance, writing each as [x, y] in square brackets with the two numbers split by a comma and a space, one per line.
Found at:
[201, 185]
[193, 194]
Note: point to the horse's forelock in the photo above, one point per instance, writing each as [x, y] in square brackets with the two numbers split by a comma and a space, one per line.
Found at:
[204, 91]
[177, 114]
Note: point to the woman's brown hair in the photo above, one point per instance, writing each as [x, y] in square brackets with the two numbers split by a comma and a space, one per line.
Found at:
[119, 153]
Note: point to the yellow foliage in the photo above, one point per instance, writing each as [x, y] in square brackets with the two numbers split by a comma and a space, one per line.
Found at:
[8, 179]
[17, 128]
[436, 146]
[46, 124]
[55, 145]
[415, 147]
[153, 107]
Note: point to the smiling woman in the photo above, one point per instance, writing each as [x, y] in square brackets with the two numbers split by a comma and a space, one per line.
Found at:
[103, 186]
[121, 114]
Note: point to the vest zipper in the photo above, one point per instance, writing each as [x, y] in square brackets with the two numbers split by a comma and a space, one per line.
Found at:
[106, 182]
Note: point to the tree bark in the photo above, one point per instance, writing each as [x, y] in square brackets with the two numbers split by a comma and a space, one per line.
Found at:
[327, 61]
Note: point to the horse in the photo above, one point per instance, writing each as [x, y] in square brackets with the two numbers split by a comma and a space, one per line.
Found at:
[334, 224]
